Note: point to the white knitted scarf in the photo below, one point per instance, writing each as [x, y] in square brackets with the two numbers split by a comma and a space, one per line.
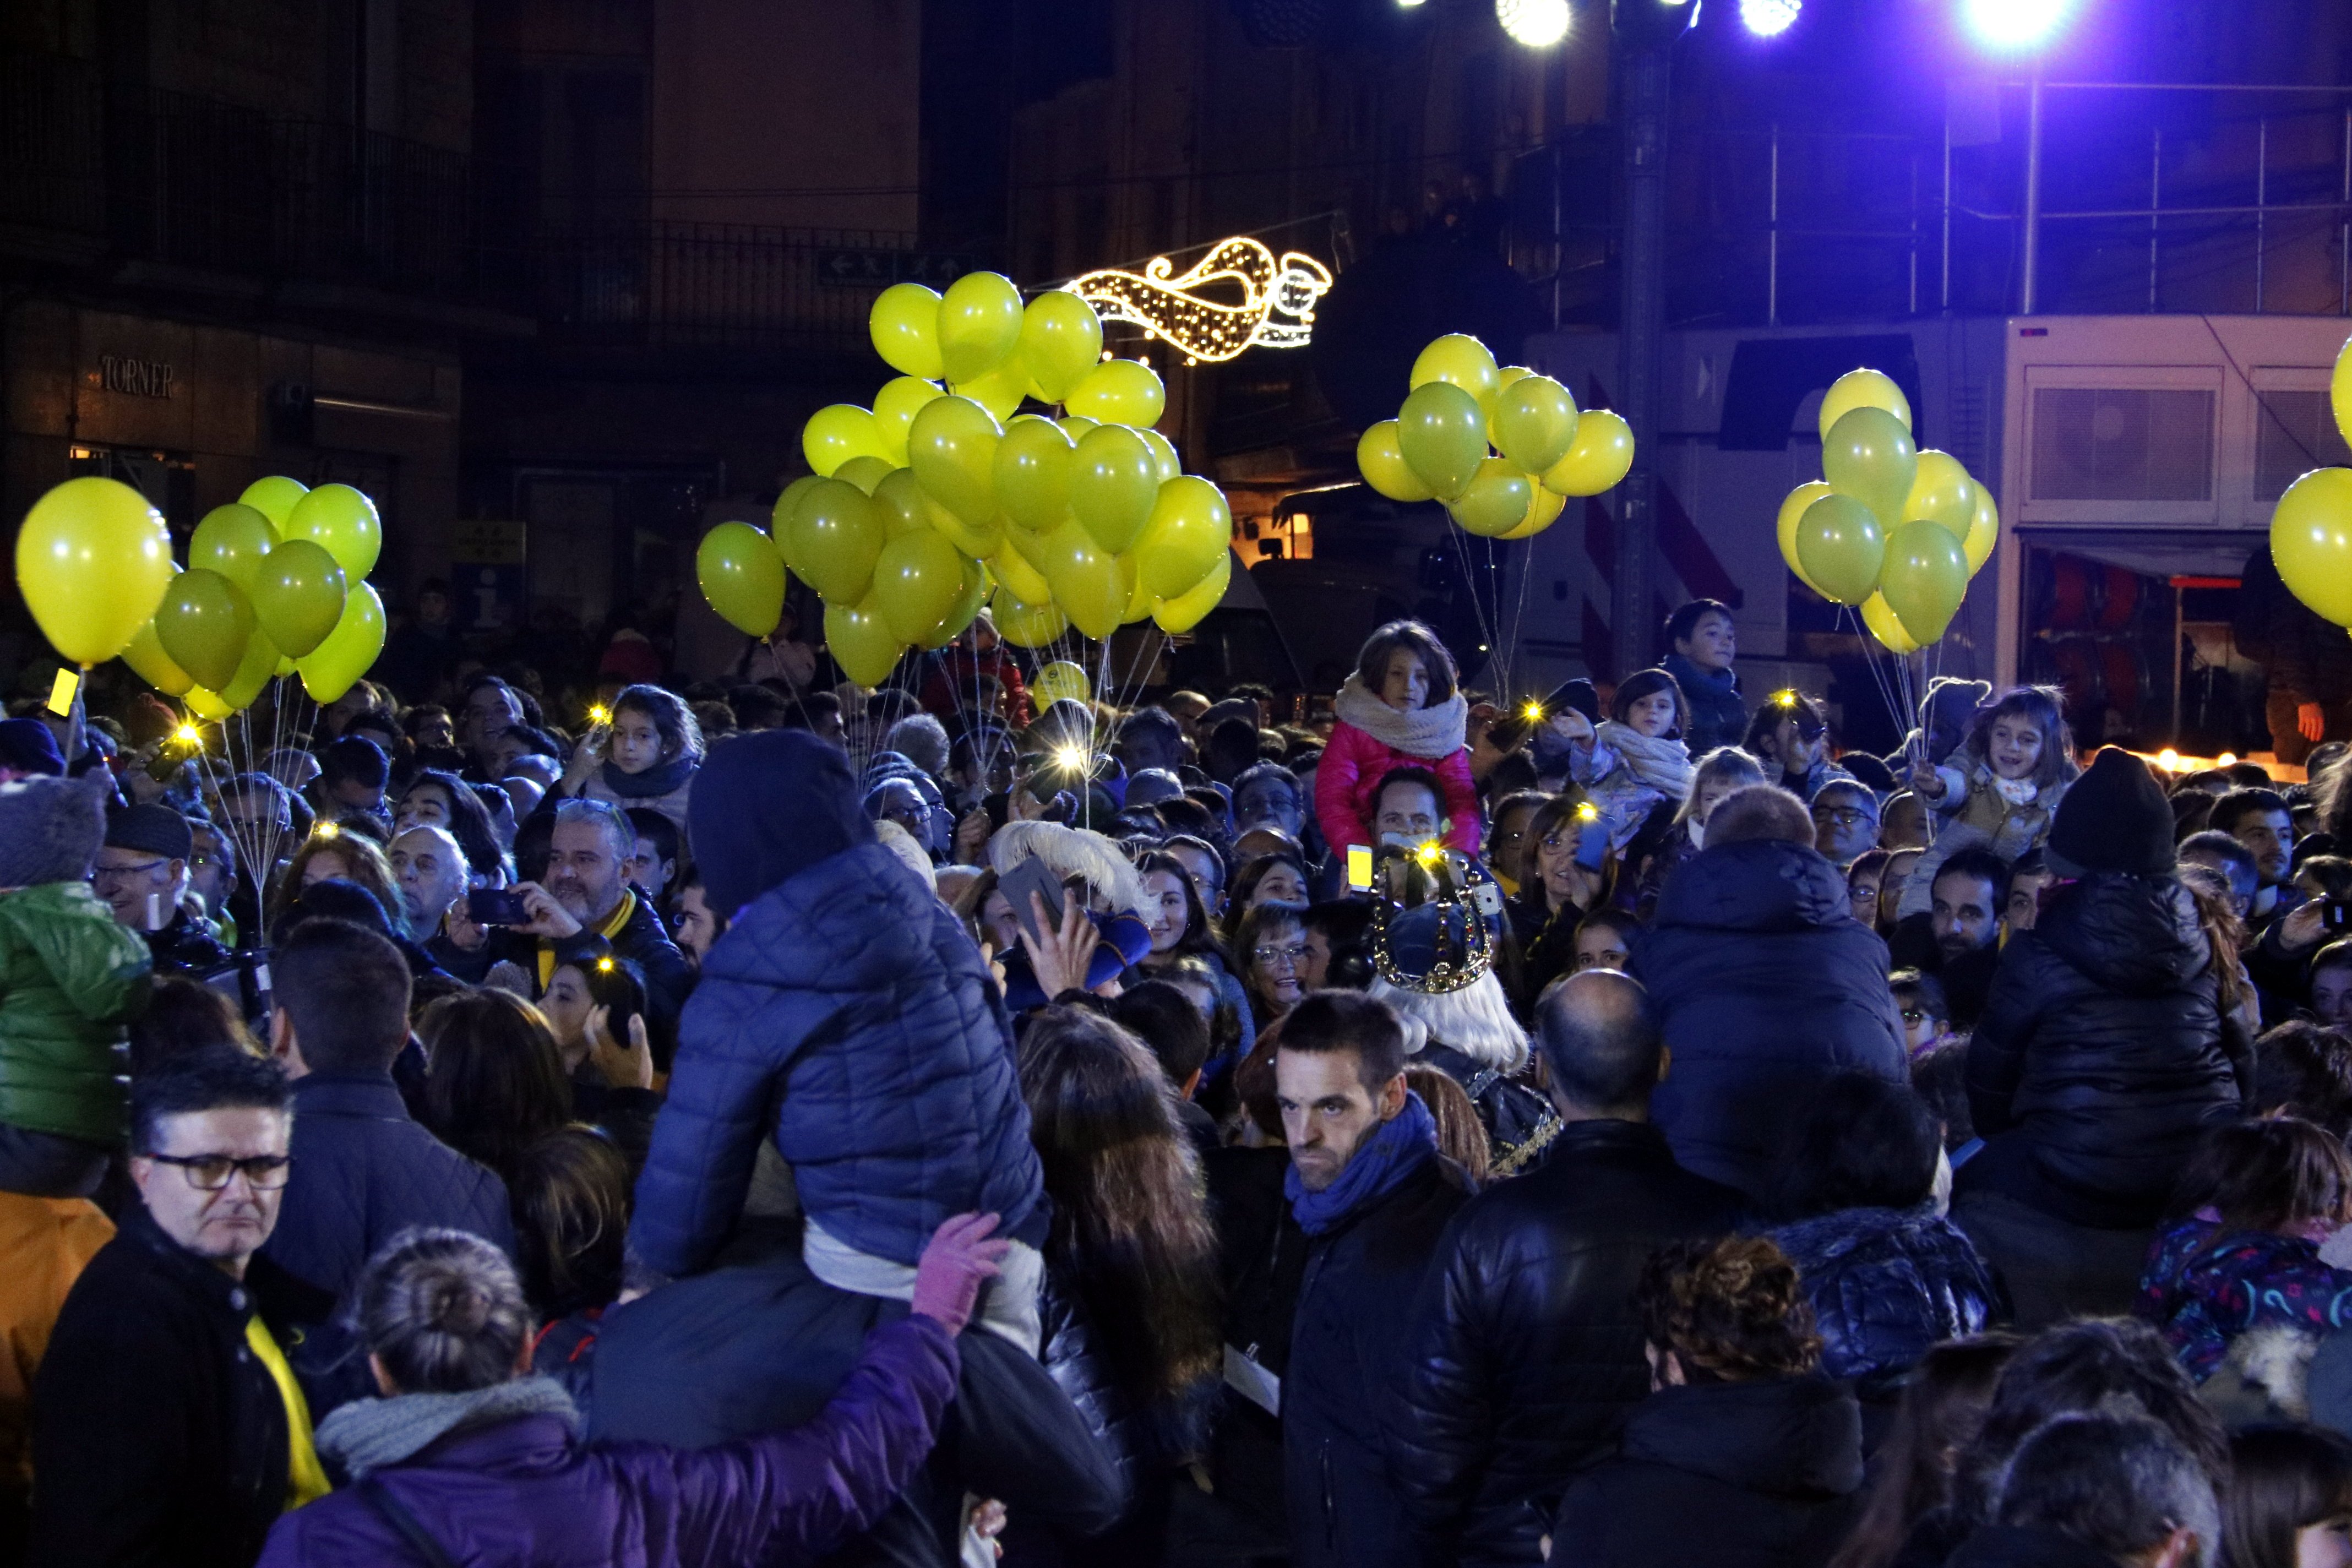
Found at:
[1435, 731]
[1661, 761]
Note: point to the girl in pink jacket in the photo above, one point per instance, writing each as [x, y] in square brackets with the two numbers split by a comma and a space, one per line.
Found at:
[1401, 709]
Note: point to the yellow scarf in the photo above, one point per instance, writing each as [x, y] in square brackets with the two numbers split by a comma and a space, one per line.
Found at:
[608, 930]
[306, 1478]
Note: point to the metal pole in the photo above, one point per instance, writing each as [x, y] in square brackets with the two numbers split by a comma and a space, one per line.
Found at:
[2344, 243]
[2033, 190]
[2155, 201]
[2262, 196]
[2179, 596]
[1915, 234]
[1649, 76]
[1772, 238]
[1946, 303]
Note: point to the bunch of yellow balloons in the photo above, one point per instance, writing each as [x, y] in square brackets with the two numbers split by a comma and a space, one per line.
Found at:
[2311, 532]
[1889, 527]
[943, 497]
[275, 586]
[1461, 411]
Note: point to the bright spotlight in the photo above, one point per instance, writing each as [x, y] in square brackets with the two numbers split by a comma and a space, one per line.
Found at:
[2014, 24]
[1769, 18]
[1537, 24]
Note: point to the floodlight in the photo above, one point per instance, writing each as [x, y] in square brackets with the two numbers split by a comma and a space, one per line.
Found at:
[1769, 18]
[2012, 25]
[1536, 24]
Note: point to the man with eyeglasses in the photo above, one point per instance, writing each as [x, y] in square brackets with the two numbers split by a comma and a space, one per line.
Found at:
[1845, 822]
[167, 1426]
[143, 874]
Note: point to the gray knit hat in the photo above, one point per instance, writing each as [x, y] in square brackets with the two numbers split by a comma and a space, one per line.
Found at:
[50, 829]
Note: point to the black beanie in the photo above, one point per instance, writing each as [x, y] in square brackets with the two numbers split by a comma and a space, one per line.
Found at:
[2114, 818]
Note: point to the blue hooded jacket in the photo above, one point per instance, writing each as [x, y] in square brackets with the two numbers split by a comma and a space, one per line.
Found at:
[846, 1014]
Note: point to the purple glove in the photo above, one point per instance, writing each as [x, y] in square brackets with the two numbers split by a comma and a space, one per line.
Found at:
[947, 1275]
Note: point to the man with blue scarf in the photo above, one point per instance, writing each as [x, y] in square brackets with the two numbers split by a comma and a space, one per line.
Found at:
[1368, 1186]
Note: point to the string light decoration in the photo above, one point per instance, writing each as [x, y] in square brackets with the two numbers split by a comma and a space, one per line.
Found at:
[1186, 311]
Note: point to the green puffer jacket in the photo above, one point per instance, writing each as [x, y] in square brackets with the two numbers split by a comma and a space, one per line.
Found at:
[70, 977]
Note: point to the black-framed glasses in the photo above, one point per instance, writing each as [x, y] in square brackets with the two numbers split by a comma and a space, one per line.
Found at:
[1841, 816]
[211, 1173]
[1277, 957]
[124, 873]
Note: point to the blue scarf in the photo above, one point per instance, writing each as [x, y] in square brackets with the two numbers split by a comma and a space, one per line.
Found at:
[1403, 1144]
[660, 779]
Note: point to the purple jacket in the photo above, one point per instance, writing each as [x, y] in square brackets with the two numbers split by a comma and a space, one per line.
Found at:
[526, 1491]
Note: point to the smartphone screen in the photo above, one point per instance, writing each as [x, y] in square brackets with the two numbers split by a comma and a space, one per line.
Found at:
[1592, 846]
[495, 907]
[1359, 867]
[61, 692]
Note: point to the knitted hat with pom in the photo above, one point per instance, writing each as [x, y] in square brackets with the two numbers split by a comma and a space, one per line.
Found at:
[50, 829]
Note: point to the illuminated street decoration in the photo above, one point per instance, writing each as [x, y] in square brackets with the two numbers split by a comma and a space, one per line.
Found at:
[1194, 311]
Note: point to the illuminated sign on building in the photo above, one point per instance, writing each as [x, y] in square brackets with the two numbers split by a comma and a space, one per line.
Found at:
[1196, 310]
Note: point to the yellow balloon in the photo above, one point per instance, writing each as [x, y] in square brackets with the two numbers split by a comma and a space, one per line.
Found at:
[980, 324]
[839, 431]
[1163, 452]
[273, 497]
[865, 472]
[836, 534]
[1060, 681]
[951, 446]
[1000, 391]
[297, 597]
[1026, 622]
[146, 656]
[861, 642]
[1462, 361]
[780, 518]
[1863, 389]
[1190, 530]
[1113, 483]
[1140, 599]
[1086, 581]
[1542, 512]
[1868, 455]
[1924, 578]
[231, 541]
[903, 505]
[204, 704]
[1984, 530]
[2311, 543]
[1119, 392]
[202, 625]
[895, 408]
[1031, 473]
[93, 560]
[1076, 425]
[1942, 492]
[918, 578]
[1496, 502]
[259, 666]
[742, 576]
[1021, 579]
[1442, 434]
[1792, 511]
[1534, 422]
[343, 522]
[1182, 614]
[905, 327]
[1886, 626]
[1598, 457]
[969, 599]
[335, 666]
[1842, 548]
[1381, 462]
[1061, 340]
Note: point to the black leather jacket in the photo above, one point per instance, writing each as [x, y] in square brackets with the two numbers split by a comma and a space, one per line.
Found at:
[1526, 1354]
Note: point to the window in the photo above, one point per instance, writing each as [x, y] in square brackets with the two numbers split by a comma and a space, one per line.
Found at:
[2295, 432]
[2122, 444]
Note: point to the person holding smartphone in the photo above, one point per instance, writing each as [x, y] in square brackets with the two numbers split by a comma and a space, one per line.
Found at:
[1574, 874]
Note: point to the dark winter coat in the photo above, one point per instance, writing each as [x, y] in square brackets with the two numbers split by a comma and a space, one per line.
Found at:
[1732, 1475]
[524, 1490]
[1347, 1359]
[756, 1347]
[1526, 1354]
[847, 1016]
[1885, 1285]
[2015, 1546]
[1718, 714]
[1262, 1260]
[2102, 1047]
[158, 1438]
[1766, 986]
[1520, 1123]
[365, 1171]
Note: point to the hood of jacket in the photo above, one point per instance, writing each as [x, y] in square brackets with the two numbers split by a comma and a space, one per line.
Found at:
[768, 805]
[1762, 885]
[2136, 936]
[1782, 1437]
[855, 920]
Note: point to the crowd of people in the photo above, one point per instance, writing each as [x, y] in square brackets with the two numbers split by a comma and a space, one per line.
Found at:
[939, 1124]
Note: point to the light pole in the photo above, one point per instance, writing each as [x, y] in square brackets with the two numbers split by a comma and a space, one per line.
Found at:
[1645, 32]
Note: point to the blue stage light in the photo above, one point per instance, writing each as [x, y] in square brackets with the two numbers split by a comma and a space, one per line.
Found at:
[2009, 25]
[1769, 18]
